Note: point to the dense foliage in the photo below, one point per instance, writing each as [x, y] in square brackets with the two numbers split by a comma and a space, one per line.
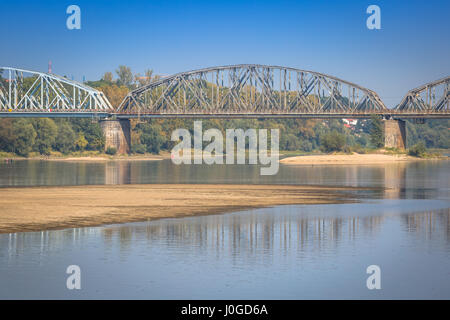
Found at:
[417, 150]
[376, 132]
[43, 135]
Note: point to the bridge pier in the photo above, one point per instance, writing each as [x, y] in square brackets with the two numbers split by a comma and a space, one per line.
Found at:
[394, 134]
[117, 134]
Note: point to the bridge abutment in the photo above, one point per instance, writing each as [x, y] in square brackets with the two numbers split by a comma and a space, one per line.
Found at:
[117, 134]
[395, 134]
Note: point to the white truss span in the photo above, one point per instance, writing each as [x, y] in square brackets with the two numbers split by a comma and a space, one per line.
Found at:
[37, 92]
[251, 89]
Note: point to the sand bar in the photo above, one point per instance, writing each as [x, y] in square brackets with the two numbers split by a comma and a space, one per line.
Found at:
[362, 159]
[44, 208]
[100, 159]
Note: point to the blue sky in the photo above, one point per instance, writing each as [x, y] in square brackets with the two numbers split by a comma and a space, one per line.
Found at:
[411, 48]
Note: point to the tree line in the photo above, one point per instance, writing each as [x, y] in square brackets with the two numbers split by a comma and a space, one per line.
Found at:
[44, 136]
[296, 134]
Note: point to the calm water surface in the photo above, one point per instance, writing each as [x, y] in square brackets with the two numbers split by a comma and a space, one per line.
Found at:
[285, 252]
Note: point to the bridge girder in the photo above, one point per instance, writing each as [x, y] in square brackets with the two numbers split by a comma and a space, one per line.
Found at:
[24, 92]
[433, 97]
[250, 89]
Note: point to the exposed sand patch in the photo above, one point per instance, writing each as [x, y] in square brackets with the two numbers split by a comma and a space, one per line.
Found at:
[80, 159]
[40, 208]
[331, 159]
[94, 159]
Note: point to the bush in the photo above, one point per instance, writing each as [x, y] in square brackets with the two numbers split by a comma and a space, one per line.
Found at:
[292, 142]
[347, 149]
[111, 151]
[306, 146]
[332, 141]
[150, 136]
[138, 148]
[25, 136]
[46, 131]
[418, 150]
[65, 140]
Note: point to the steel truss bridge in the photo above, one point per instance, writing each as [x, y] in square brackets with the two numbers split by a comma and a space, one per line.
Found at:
[31, 93]
[237, 91]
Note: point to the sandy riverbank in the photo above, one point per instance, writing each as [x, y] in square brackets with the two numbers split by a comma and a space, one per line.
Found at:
[93, 158]
[105, 158]
[339, 159]
[43, 208]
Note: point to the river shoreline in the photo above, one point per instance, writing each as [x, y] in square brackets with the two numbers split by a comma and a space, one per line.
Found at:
[354, 159]
[47, 208]
[307, 159]
[92, 158]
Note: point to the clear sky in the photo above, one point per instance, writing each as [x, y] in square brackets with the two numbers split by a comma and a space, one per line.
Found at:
[411, 48]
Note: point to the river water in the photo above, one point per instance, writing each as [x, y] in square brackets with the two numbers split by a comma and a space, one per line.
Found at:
[284, 252]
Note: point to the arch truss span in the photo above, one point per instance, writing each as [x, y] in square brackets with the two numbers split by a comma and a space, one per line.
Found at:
[24, 91]
[250, 89]
[433, 97]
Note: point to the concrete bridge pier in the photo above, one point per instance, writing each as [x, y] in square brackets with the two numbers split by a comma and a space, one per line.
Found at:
[117, 134]
[395, 134]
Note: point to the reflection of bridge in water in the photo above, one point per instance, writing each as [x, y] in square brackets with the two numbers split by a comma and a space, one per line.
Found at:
[257, 231]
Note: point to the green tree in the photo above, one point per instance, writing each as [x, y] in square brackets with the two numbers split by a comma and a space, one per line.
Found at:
[65, 140]
[94, 136]
[111, 151]
[125, 76]
[362, 140]
[108, 77]
[151, 136]
[91, 131]
[418, 150]
[292, 142]
[306, 146]
[7, 135]
[332, 141]
[24, 137]
[81, 142]
[138, 148]
[46, 131]
[376, 132]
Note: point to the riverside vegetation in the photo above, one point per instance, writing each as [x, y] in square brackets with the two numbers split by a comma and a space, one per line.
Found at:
[59, 137]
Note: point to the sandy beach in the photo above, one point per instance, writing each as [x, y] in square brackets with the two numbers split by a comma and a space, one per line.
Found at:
[101, 159]
[44, 208]
[340, 159]
[92, 158]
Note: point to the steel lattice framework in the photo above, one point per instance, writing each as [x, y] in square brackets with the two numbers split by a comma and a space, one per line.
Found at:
[24, 92]
[247, 90]
[433, 97]
[250, 90]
